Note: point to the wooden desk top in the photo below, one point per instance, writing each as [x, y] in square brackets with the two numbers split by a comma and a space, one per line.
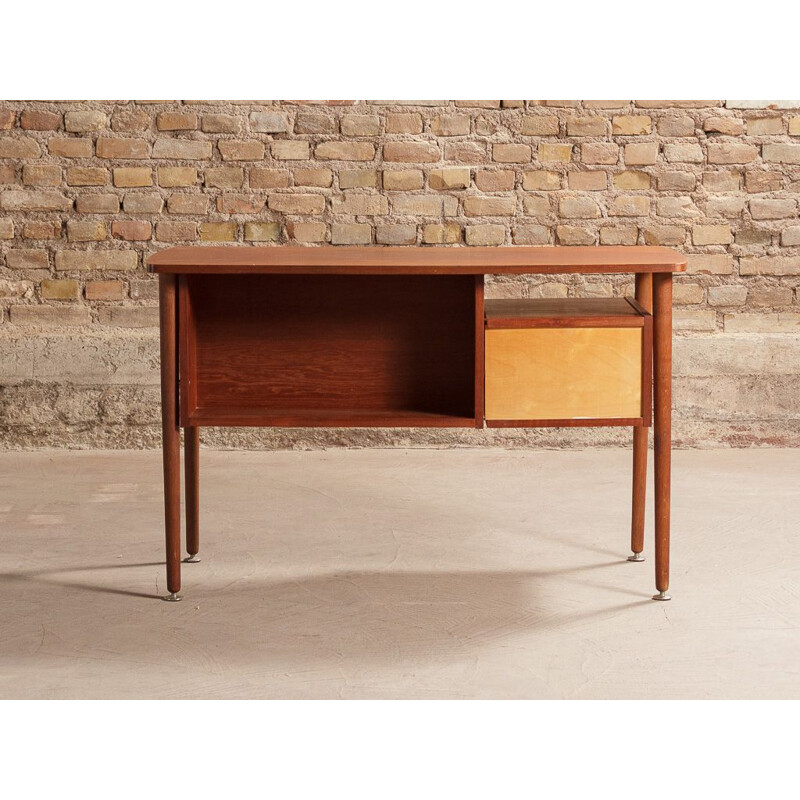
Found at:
[243, 259]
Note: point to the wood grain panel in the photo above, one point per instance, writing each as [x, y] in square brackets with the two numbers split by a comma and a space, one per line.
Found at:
[480, 351]
[170, 432]
[414, 260]
[563, 373]
[333, 350]
[608, 422]
[320, 418]
[591, 312]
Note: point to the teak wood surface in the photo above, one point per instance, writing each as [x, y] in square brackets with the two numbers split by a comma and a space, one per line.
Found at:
[415, 260]
[322, 350]
[384, 336]
[612, 312]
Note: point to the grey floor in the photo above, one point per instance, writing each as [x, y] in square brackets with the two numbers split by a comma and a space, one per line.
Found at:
[399, 574]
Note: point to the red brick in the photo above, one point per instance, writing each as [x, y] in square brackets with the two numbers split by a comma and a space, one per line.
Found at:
[511, 153]
[173, 121]
[403, 123]
[187, 204]
[123, 148]
[262, 231]
[170, 177]
[130, 120]
[85, 121]
[306, 231]
[322, 178]
[128, 316]
[298, 203]
[50, 316]
[105, 290]
[132, 230]
[221, 123]
[479, 235]
[315, 123]
[133, 177]
[415, 152]
[41, 229]
[79, 230]
[290, 150]
[40, 121]
[23, 147]
[345, 151]
[589, 181]
[218, 232]
[494, 180]
[186, 149]
[269, 178]
[360, 125]
[142, 203]
[399, 180]
[70, 148]
[66, 289]
[351, 233]
[465, 152]
[97, 204]
[15, 200]
[361, 178]
[447, 233]
[229, 203]
[41, 175]
[396, 234]
[226, 177]
[176, 231]
[451, 125]
[27, 259]
[87, 176]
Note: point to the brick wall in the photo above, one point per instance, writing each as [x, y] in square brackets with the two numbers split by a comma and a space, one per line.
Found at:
[89, 189]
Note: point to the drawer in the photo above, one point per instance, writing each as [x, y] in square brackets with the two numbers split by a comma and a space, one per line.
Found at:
[561, 362]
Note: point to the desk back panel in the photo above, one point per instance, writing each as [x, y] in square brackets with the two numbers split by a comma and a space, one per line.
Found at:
[344, 350]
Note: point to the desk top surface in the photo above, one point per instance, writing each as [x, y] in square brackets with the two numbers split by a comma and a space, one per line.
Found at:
[243, 259]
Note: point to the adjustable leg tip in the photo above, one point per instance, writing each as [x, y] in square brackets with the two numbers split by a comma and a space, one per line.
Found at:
[636, 557]
[192, 558]
[173, 597]
[662, 596]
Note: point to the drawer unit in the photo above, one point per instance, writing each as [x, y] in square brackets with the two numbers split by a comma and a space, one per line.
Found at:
[567, 362]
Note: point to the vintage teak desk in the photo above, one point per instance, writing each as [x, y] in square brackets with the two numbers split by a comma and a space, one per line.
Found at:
[402, 337]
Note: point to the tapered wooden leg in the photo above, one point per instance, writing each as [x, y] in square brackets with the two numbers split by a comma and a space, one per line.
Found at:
[644, 295]
[170, 433]
[191, 461]
[662, 373]
[640, 437]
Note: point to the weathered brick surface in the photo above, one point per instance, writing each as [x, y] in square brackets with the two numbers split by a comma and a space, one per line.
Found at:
[88, 190]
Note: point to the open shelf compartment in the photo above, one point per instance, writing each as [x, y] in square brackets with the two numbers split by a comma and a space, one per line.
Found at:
[339, 350]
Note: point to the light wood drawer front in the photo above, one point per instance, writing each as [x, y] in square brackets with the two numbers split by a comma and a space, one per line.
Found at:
[563, 373]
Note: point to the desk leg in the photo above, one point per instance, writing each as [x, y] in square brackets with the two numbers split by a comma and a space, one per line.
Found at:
[662, 369]
[170, 432]
[191, 463]
[640, 439]
[644, 295]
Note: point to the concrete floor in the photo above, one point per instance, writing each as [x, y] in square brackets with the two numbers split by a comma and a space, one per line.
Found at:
[399, 574]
